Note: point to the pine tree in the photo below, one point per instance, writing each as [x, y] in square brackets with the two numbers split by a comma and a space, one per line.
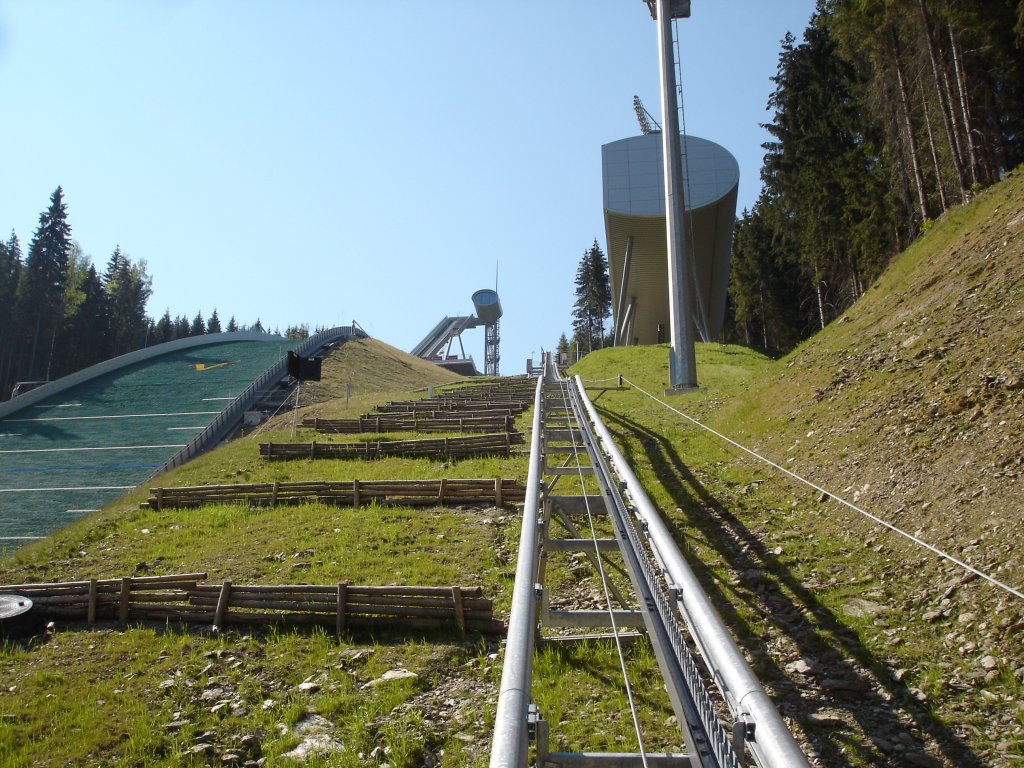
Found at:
[213, 324]
[164, 330]
[593, 298]
[198, 327]
[563, 344]
[10, 271]
[182, 327]
[38, 305]
[88, 327]
[232, 325]
[823, 182]
[128, 286]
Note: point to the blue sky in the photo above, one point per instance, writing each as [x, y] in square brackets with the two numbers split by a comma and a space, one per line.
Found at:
[321, 161]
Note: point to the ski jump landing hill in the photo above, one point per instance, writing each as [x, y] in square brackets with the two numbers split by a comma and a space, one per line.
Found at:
[75, 444]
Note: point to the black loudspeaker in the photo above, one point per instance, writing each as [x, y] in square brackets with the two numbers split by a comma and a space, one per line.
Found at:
[309, 369]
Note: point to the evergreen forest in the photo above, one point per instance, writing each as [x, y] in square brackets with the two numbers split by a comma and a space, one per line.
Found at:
[58, 314]
[886, 114]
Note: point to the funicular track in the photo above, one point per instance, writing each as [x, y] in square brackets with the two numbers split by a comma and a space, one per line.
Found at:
[725, 717]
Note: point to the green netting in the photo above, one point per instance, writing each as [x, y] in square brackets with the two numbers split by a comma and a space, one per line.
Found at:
[80, 449]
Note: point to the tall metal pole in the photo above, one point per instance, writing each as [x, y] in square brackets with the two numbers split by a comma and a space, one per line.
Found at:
[681, 361]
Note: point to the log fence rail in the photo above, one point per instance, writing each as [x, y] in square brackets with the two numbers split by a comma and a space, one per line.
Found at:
[494, 444]
[354, 493]
[411, 422]
[342, 606]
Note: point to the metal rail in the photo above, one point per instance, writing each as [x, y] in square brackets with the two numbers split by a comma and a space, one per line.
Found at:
[510, 746]
[674, 609]
[708, 741]
[764, 731]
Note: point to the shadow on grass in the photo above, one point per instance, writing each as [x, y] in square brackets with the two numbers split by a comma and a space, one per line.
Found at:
[873, 699]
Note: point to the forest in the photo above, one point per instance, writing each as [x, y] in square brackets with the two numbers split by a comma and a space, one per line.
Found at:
[886, 114]
[59, 315]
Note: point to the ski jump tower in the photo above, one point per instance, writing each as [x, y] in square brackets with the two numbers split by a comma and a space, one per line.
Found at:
[437, 345]
[488, 309]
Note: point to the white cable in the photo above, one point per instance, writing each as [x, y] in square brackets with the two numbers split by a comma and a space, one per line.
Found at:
[841, 500]
[604, 585]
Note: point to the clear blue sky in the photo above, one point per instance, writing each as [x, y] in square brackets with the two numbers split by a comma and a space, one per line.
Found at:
[318, 161]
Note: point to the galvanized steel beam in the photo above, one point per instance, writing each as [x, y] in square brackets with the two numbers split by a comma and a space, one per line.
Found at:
[510, 743]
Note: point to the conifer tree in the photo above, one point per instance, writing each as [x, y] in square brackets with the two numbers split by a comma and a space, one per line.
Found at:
[213, 324]
[38, 305]
[88, 326]
[10, 271]
[164, 330]
[182, 327]
[593, 298]
[128, 286]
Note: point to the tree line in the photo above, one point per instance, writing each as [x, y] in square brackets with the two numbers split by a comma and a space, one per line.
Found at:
[58, 314]
[886, 114]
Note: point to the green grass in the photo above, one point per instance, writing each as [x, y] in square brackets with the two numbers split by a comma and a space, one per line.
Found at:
[103, 697]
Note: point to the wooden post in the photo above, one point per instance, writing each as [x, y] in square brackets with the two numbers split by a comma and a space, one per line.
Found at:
[312, 449]
[340, 620]
[460, 616]
[91, 614]
[497, 492]
[273, 493]
[159, 499]
[126, 586]
[270, 450]
[222, 605]
[441, 489]
[355, 493]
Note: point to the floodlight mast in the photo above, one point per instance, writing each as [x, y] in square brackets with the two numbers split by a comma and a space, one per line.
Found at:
[682, 362]
[648, 124]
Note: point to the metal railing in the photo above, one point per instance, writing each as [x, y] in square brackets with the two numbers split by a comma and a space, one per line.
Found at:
[227, 418]
[510, 745]
[770, 741]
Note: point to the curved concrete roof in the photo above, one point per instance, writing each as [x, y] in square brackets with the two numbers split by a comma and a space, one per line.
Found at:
[634, 208]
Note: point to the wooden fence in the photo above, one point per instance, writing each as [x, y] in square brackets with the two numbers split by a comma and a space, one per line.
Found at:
[496, 444]
[352, 493]
[342, 606]
[411, 422]
[449, 405]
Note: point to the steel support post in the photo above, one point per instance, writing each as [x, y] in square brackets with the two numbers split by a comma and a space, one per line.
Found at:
[628, 329]
[620, 309]
[681, 359]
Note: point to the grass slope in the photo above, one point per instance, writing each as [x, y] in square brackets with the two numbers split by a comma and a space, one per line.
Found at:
[179, 696]
[153, 695]
[910, 405]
